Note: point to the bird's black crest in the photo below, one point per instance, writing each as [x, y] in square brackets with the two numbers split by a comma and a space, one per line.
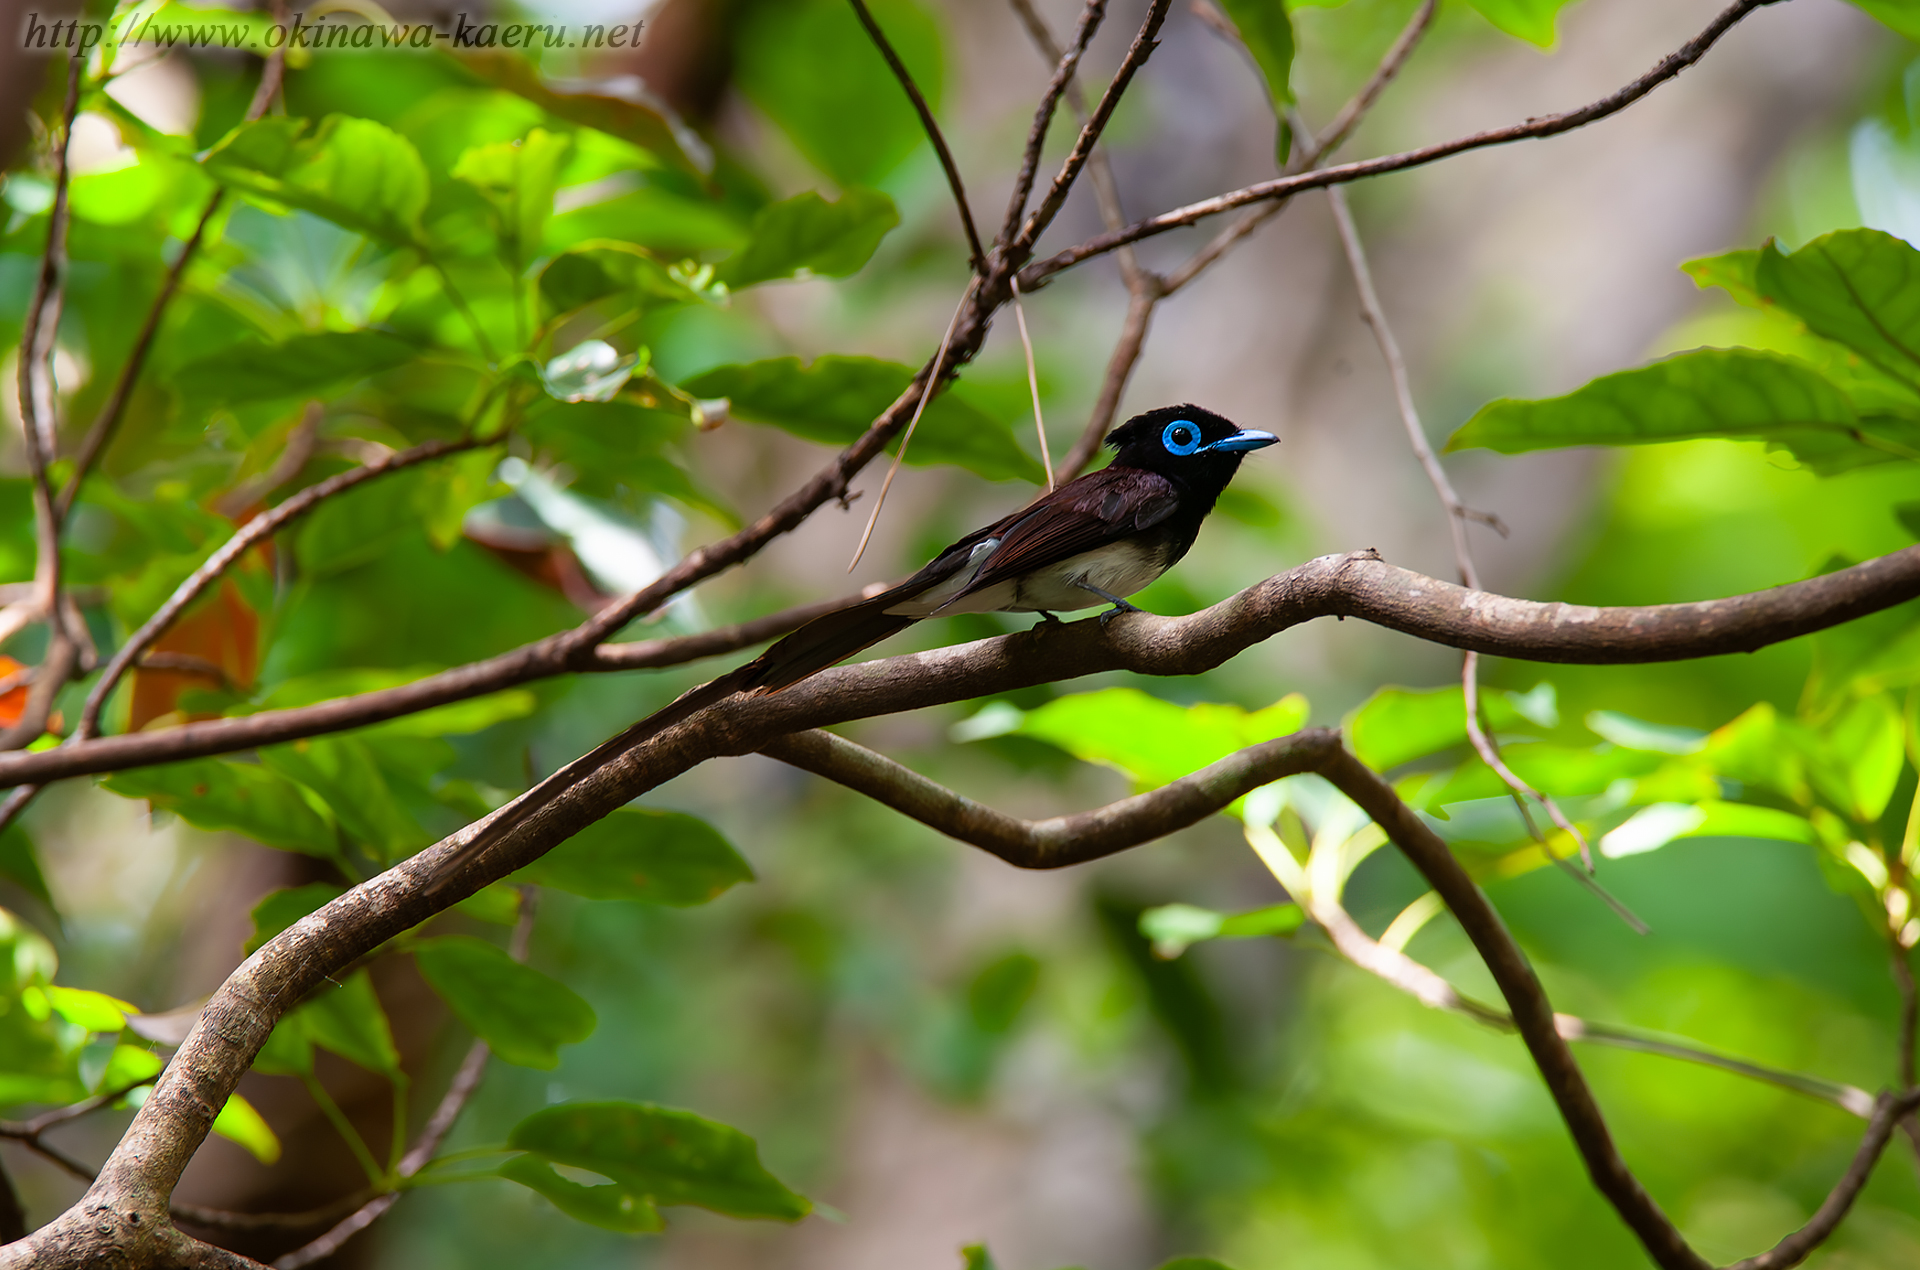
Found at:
[1149, 425]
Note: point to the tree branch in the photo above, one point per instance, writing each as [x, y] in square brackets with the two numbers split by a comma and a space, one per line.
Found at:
[1062, 840]
[1354, 585]
[1889, 1110]
[979, 253]
[1137, 54]
[1532, 1014]
[1063, 74]
[257, 530]
[1033, 276]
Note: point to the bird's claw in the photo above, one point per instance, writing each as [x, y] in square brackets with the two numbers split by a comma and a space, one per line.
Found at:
[1119, 607]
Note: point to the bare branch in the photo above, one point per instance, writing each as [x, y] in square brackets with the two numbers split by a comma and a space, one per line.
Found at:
[900, 72]
[1889, 1109]
[1355, 585]
[1063, 73]
[1062, 840]
[1126, 354]
[1532, 1014]
[257, 530]
[107, 422]
[1036, 274]
[466, 1081]
[1137, 53]
[1349, 116]
[1106, 191]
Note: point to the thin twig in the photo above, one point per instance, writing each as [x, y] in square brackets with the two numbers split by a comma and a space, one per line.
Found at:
[254, 531]
[107, 422]
[1056, 196]
[40, 428]
[1889, 1110]
[1036, 274]
[1144, 288]
[1033, 382]
[1066, 64]
[114, 409]
[1120, 364]
[927, 121]
[466, 1081]
[1455, 511]
[931, 385]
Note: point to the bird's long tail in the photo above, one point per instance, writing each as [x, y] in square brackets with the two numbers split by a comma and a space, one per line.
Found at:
[513, 814]
[819, 644]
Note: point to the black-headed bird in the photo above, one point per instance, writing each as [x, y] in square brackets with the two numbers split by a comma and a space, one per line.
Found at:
[1095, 540]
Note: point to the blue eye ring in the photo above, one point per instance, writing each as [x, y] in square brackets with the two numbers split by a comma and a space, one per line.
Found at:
[1182, 436]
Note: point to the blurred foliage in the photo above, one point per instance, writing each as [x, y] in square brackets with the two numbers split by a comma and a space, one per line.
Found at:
[430, 247]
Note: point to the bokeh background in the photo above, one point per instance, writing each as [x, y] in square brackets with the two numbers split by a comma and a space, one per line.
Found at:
[1255, 1100]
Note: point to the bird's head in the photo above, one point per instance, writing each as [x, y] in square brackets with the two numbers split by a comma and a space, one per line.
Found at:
[1185, 441]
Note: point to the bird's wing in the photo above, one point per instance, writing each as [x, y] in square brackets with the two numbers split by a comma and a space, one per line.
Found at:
[1081, 515]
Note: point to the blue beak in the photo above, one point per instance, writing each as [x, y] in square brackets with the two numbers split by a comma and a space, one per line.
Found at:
[1242, 440]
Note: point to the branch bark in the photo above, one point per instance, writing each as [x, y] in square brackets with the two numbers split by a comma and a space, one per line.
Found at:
[1355, 585]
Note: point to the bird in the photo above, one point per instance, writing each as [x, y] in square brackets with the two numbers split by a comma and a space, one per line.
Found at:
[1095, 540]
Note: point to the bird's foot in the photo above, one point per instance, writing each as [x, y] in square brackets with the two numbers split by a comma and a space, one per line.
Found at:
[1119, 605]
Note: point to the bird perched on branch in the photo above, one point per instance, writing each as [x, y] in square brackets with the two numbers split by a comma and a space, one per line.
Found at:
[1094, 540]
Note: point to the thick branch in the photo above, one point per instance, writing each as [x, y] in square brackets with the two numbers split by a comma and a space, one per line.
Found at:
[1356, 585]
[1036, 274]
[1061, 840]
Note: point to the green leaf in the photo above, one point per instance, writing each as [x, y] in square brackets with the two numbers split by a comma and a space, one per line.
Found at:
[1733, 272]
[1195, 1263]
[288, 1051]
[525, 1016]
[349, 1021]
[631, 114]
[639, 853]
[239, 1122]
[807, 234]
[853, 123]
[1000, 991]
[1864, 751]
[301, 366]
[342, 770]
[671, 1157]
[1709, 392]
[1902, 15]
[19, 862]
[1267, 32]
[359, 174]
[1155, 741]
[127, 1064]
[518, 179]
[602, 267]
[94, 1011]
[610, 1207]
[1860, 287]
[1530, 20]
[836, 399]
[244, 797]
[1398, 725]
[977, 1257]
[1173, 928]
